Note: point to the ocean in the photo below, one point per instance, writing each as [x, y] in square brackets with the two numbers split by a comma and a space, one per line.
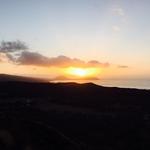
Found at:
[140, 83]
[124, 83]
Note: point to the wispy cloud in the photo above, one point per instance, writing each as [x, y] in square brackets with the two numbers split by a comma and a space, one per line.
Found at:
[116, 28]
[118, 11]
[123, 66]
[3, 58]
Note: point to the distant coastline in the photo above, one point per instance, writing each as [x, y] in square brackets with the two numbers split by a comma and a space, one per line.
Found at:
[122, 83]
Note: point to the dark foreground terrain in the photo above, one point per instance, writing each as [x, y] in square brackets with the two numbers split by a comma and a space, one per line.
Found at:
[70, 116]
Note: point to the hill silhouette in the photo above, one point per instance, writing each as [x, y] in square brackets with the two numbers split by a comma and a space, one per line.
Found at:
[64, 78]
[86, 95]
[84, 116]
[7, 78]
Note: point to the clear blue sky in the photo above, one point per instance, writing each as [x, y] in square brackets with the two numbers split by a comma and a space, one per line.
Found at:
[115, 31]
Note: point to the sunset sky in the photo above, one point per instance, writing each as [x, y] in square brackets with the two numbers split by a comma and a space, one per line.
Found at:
[110, 37]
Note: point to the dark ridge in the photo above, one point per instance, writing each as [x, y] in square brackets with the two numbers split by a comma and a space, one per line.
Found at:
[81, 116]
[9, 78]
[61, 78]
[86, 95]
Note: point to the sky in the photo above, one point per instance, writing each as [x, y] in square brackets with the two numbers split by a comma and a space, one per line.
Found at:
[111, 35]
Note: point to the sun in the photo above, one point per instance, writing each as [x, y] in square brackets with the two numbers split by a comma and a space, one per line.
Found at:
[78, 72]
[81, 72]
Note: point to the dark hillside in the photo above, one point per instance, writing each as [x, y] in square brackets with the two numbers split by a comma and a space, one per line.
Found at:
[75, 116]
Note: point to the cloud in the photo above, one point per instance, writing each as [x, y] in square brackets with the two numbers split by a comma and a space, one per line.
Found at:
[12, 46]
[123, 66]
[96, 63]
[32, 58]
[37, 59]
[116, 28]
[118, 11]
[17, 53]
[3, 58]
[10, 50]
[10, 57]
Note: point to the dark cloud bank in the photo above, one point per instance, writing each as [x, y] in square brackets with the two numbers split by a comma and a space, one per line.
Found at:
[18, 53]
[33, 58]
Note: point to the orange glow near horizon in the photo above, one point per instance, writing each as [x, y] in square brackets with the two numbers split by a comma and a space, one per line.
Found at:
[82, 72]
